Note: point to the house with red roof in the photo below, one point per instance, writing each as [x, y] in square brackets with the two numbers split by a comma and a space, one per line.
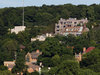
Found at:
[87, 50]
[78, 57]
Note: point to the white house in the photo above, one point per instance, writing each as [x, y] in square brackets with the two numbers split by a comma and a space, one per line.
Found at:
[18, 29]
[42, 37]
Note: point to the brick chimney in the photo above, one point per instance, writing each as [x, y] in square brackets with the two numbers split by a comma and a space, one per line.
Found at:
[37, 51]
[84, 49]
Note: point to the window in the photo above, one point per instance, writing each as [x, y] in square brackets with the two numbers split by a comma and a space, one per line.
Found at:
[78, 35]
[81, 22]
[70, 32]
[61, 22]
[69, 22]
[57, 26]
[28, 58]
[69, 25]
[64, 26]
[64, 22]
[42, 37]
[75, 22]
[74, 25]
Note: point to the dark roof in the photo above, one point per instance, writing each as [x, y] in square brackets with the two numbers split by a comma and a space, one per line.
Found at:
[11, 66]
[98, 27]
[89, 49]
[33, 66]
[35, 54]
[22, 47]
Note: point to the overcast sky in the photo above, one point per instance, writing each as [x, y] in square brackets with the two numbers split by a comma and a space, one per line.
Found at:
[19, 3]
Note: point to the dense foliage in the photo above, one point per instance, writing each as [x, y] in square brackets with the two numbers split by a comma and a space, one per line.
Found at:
[59, 56]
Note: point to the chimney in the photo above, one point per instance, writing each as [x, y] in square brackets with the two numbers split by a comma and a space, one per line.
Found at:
[85, 18]
[40, 63]
[92, 26]
[75, 18]
[80, 56]
[37, 51]
[60, 18]
[84, 49]
[47, 34]
[67, 46]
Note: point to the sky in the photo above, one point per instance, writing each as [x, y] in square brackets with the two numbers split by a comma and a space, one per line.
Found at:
[19, 3]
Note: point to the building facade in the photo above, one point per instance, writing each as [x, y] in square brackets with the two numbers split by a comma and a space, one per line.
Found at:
[79, 57]
[32, 57]
[9, 64]
[17, 29]
[71, 22]
[77, 30]
[42, 37]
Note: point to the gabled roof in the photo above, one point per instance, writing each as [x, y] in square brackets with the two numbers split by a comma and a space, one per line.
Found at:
[89, 49]
[33, 66]
[22, 47]
[11, 66]
[35, 54]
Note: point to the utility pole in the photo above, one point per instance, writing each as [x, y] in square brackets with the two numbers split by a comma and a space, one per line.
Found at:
[23, 12]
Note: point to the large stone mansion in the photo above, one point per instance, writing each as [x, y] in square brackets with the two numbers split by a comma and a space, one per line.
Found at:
[70, 25]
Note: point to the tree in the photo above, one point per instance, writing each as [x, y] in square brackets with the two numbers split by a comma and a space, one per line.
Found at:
[11, 47]
[56, 60]
[5, 72]
[95, 67]
[3, 29]
[91, 13]
[78, 48]
[23, 37]
[65, 68]
[92, 43]
[90, 58]
[19, 65]
[2, 68]
[86, 72]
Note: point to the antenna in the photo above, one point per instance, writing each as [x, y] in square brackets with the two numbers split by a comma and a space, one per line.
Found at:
[23, 12]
